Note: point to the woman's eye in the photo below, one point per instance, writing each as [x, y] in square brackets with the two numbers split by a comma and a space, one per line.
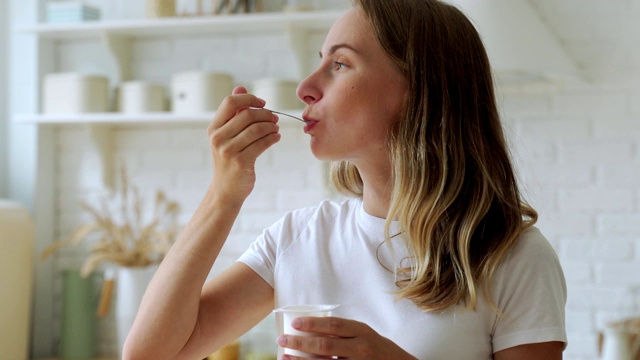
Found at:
[338, 65]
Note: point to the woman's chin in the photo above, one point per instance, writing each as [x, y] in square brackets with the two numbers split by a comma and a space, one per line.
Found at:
[323, 155]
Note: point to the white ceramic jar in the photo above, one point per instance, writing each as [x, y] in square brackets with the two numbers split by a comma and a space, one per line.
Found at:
[141, 97]
[131, 284]
[198, 91]
[161, 8]
[299, 5]
[66, 93]
[278, 93]
[270, 5]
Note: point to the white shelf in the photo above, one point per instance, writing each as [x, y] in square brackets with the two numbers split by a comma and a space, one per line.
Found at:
[118, 35]
[177, 26]
[111, 118]
[99, 127]
[114, 118]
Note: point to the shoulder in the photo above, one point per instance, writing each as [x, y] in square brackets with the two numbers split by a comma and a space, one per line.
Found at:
[532, 244]
[532, 261]
[532, 250]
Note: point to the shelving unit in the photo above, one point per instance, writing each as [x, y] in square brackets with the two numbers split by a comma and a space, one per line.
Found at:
[118, 35]
[111, 118]
[187, 25]
[114, 118]
[99, 127]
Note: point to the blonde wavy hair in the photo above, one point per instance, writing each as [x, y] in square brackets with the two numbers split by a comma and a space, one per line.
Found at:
[455, 194]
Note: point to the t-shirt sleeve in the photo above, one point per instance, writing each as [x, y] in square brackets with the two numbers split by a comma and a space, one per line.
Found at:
[531, 293]
[261, 255]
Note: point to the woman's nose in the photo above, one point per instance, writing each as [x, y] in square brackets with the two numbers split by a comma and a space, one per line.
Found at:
[308, 91]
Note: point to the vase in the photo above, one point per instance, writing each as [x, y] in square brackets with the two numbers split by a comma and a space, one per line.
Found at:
[620, 343]
[131, 283]
[77, 339]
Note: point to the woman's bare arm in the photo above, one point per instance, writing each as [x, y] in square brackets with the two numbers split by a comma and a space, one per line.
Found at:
[551, 350]
[231, 305]
[179, 316]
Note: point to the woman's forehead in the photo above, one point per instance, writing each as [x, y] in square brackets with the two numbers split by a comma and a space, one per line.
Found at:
[353, 29]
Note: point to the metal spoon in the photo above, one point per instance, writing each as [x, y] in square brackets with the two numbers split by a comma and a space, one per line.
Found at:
[281, 113]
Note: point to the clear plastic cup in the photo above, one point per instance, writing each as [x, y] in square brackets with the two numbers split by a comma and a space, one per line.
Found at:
[286, 314]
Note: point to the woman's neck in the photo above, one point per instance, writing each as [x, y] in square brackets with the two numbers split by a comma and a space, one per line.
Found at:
[376, 189]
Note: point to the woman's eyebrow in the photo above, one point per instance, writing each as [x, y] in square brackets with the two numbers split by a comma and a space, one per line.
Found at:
[336, 47]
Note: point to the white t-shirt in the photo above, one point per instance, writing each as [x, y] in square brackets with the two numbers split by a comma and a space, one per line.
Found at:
[331, 254]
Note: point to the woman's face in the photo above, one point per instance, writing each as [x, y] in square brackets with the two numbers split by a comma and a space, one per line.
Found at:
[354, 95]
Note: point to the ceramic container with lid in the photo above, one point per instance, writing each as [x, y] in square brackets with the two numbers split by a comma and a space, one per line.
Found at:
[199, 91]
[141, 97]
[66, 93]
[299, 5]
[278, 93]
[160, 8]
[270, 5]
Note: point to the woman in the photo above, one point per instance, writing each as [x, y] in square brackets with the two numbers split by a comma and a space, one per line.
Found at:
[403, 104]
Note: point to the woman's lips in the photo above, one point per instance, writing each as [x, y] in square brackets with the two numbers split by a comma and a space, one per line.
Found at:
[310, 123]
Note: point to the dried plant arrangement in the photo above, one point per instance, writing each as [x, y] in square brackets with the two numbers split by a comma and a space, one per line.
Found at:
[126, 236]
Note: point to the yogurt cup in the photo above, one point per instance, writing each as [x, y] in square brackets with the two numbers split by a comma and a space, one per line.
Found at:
[286, 314]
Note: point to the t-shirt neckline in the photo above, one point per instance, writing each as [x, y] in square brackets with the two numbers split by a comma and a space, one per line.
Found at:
[372, 225]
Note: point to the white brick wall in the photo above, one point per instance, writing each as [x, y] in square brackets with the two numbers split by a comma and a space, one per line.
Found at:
[579, 162]
[577, 149]
[175, 159]
[577, 146]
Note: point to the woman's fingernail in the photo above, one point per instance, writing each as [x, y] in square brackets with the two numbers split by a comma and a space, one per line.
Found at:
[282, 340]
[262, 101]
[296, 323]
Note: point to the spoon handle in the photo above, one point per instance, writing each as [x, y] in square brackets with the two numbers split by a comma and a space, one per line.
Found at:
[281, 113]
